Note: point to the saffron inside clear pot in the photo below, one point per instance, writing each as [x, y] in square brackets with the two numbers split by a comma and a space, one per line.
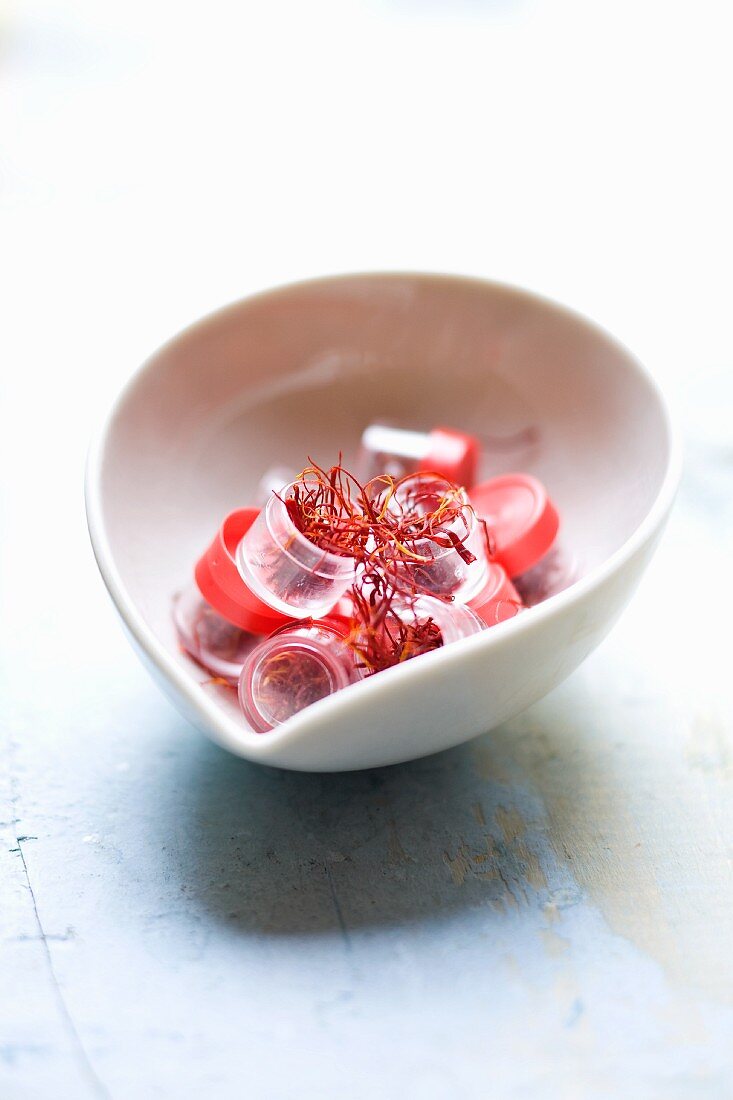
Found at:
[212, 641]
[447, 556]
[295, 667]
[554, 572]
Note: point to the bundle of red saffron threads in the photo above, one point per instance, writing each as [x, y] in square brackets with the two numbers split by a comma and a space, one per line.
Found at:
[379, 635]
[382, 524]
[395, 531]
[336, 579]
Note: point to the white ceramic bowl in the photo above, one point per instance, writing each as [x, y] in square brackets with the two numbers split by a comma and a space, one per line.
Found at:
[301, 371]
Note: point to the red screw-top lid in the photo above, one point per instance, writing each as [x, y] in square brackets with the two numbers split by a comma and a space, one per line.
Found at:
[220, 584]
[498, 599]
[520, 516]
[454, 455]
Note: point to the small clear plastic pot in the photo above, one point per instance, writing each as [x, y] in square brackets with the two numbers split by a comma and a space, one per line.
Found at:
[454, 620]
[296, 666]
[400, 451]
[286, 570]
[212, 641]
[454, 560]
[405, 632]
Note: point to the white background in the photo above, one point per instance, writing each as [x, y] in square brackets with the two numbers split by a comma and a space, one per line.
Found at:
[160, 159]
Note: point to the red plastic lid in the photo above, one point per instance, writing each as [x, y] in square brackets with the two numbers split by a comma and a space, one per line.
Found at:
[453, 454]
[498, 599]
[520, 516]
[220, 584]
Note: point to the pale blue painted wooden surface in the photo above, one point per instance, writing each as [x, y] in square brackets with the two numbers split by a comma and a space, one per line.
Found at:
[545, 912]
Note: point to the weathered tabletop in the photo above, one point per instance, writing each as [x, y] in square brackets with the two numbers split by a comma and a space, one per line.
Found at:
[544, 912]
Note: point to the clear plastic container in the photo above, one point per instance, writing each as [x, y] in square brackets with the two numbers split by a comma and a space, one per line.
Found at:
[400, 451]
[454, 620]
[401, 634]
[434, 569]
[288, 571]
[212, 641]
[296, 666]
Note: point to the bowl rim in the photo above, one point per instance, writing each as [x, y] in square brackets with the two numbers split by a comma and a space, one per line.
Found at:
[223, 727]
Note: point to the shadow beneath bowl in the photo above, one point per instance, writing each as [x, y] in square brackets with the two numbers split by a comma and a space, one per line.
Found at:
[281, 852]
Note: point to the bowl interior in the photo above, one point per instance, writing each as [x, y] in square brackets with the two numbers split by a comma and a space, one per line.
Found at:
[301, 371]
